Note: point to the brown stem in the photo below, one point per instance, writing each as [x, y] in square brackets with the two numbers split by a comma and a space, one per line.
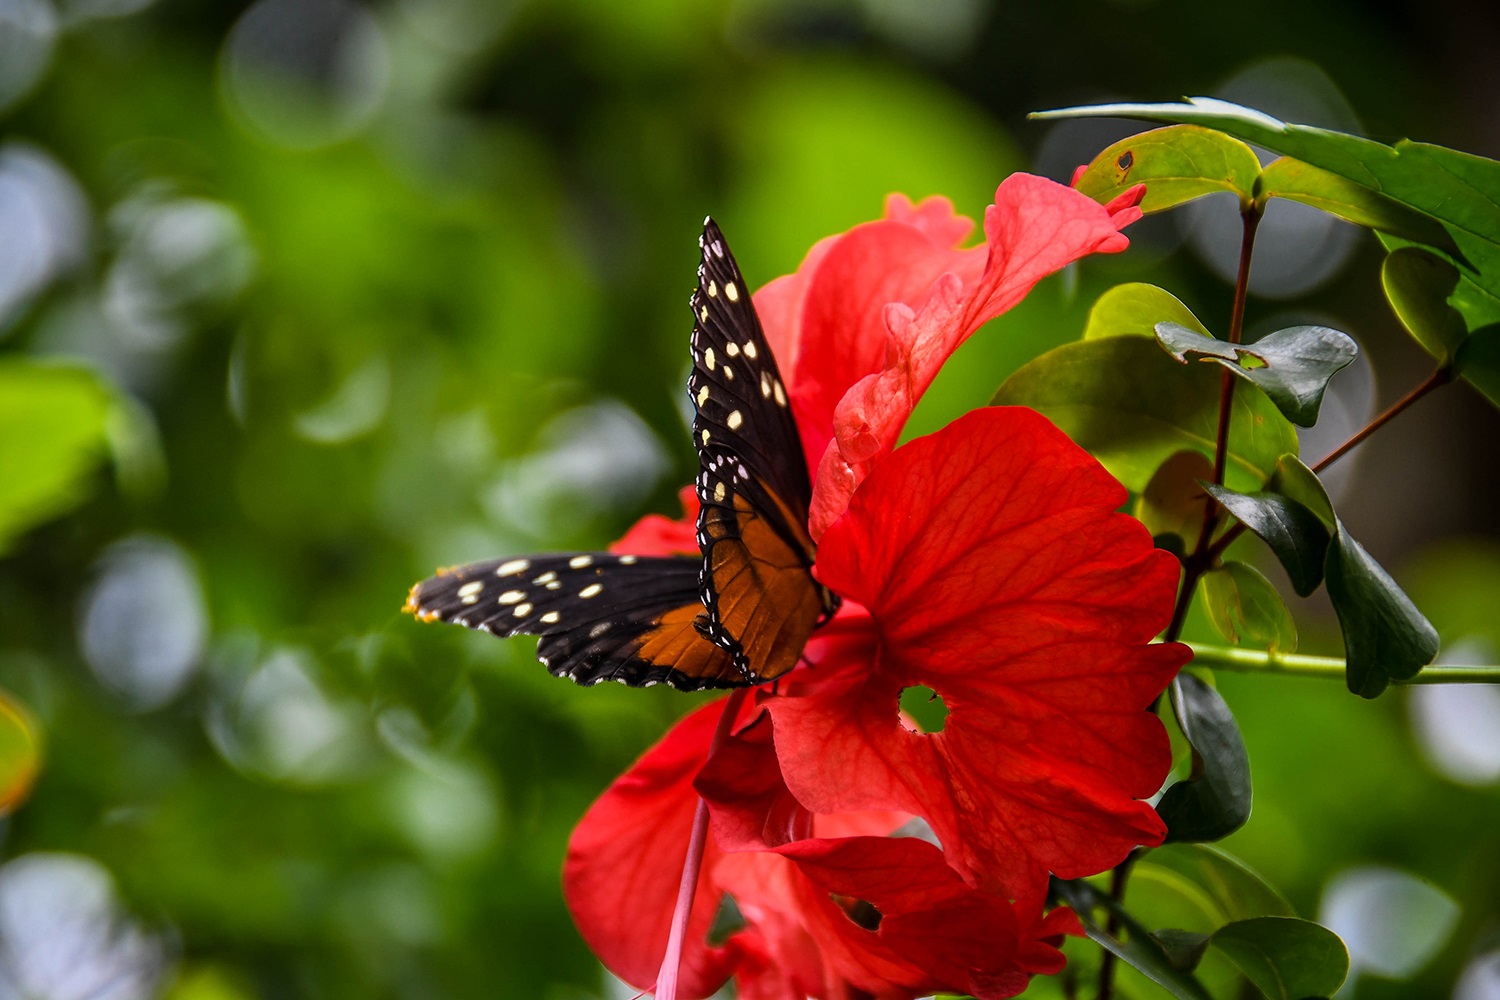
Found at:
[1440, 376]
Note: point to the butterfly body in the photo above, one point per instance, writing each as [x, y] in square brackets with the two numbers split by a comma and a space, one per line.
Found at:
[741, 614]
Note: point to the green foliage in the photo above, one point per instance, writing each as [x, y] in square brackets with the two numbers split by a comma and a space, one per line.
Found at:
[1137, 947]
[1418, 284]
[1295, 535]
[1136, 308]
[1286, 958]
[1133, 408]
[53, 425]
[1214, 800]
[1177, 164]
[1458, 190]
[1294, 367]
[1246, 609]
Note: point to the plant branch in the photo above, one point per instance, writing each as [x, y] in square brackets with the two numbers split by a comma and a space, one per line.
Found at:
[666, 979]
[1440, 376]
[1117, 880]
[1263, 661]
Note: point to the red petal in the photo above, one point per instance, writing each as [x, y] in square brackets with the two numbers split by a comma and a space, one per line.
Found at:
[655, 535]
[1034, 228]
[1000, 576]
[625, 861]
[843, 318]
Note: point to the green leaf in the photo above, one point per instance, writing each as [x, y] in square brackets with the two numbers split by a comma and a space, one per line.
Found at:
[20, 753]
[1139, 950]
[52, 434]
[1385, 637]
[1133, 408]
[1184, 949]
[1295, 535]
[1459, 190]
[1418, 284]
[1478, 361]
[1135, 308]
[1295, 180]
[1177, 164]
[1286, 958]
[1295, 364]
[1220, 886]
[1214, 801]
[1245, 609]
[1172, 502]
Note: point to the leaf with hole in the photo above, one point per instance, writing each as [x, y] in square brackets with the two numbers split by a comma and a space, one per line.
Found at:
[1214, 800]
[1294, 534]
[1177, 164]
[1246, 610]
[1135, 308]
[1133, 408]
[1459, 190]
[1295, 364]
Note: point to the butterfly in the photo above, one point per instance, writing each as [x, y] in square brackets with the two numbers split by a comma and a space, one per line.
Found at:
[742, 612]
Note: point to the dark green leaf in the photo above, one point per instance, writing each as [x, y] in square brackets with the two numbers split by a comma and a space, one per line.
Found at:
[1222, 887]
[1286, 958]
[1295, 180]
[1296, 363]
[1294, 533]
[1459, 190]
[1478, 361]
[1418, 284]
[1139, 949]
[1135, 308]
[1184, 949]
[1385, 637]
[1214, 800]
[1177, 164]
[1245, 609]
[1133, 408]
[52, 433]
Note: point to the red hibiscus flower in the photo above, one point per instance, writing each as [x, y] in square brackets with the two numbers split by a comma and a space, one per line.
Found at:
[985, 562]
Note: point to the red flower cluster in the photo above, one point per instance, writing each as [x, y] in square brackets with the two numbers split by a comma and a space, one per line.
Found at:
[986, 563]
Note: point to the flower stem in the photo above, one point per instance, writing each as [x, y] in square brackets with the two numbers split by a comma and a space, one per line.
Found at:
[687, 889]
[1262, 661]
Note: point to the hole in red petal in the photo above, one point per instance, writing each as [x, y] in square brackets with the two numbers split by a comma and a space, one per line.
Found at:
[860, 911]
[727, 921]
[922, 709]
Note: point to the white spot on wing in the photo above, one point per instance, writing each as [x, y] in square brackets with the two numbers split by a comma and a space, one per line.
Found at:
[512, 596]
[780, 394]
[522, 610]
[708, 359]
[719, 492]
[627, 560]
[732, 349]
[514, 566]
[551, 617]
[732, 292]
[765, 384]
[579, 562]
[734, 420]
[591, 590]
[750, 351]
[546, 577]
[703, 395]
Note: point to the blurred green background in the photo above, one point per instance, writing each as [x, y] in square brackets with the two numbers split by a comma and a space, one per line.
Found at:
[302, 298]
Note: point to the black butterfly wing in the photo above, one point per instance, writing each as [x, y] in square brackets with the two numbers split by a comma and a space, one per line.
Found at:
[631, 619]
[756, 580]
